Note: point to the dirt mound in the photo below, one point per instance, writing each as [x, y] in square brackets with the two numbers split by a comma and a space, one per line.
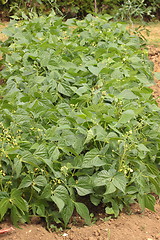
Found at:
[136, 226]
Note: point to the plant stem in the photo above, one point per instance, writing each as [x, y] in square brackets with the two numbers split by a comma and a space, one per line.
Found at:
[95, 6]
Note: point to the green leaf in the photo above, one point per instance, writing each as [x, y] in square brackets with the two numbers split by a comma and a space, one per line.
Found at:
[83, 191]
[63, 90]
[90, 136]
[120, 181]
[104, 178]
[46, 193]
[156, 184]
[91, 159]
[17, 167]
[147, 201]
[40, 180]
[26, 182]
[83, 186]
[15, 215]
[127, 116]
[115, 207]
[142, 147]
[109, 210]
[82, 210]
[110, 188]
[95, 200]
[67, 212]
[41, 210]
[127, 94]
[18, 201]
[61, 192]
[41, 151]
[4, 206]
[94, 70]
[59, 202]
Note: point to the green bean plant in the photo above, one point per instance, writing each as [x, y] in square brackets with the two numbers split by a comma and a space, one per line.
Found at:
[79, 125]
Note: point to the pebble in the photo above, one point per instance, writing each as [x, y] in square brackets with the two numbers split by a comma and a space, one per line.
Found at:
[97, 233]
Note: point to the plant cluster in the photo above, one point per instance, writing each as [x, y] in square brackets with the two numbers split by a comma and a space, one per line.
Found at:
[138, 9]
[78, 121]
[124, 10]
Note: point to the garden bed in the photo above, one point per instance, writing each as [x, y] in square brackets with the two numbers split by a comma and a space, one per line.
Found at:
[135, 226]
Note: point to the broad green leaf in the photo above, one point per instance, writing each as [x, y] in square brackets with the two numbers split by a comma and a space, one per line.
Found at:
[127, 116]
[41, 151]
[83, 190]
[115, 207]
[41, 210]
[146, 201]
[110, 188]
[149, 201]
[156, 184]
[36, 188]
[40, 180]
[94, 70]
[90, 136]
[26, 182]
[63, 90]
[46, 193]
[62, 193]
[104, 177]
[142, 147]
[59, 202]
[18, 201]
[119, 181]
[92, 159]
[4, 206]
[109, 210]
[55, 154]
[17, 167]
[95, 200]
[67, 212]
[82, 210]
[15, 215]
[127, 94]
[131, 190]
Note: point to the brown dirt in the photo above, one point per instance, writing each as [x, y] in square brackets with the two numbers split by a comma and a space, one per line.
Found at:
[136, 226]
[3, 36]
[154, 53]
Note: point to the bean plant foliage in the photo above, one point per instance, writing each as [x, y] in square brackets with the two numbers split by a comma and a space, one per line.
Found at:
[78, 121]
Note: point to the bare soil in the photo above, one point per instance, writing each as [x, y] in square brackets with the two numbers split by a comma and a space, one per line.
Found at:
[154, 54]
[135, 226]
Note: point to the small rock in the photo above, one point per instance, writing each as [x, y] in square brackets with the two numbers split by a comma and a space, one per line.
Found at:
[65, 234]
[97, 233]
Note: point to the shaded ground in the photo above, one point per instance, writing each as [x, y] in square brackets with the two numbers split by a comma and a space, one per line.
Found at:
[136, 226]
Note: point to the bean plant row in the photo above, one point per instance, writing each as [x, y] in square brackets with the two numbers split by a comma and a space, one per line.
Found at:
[79, 125]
